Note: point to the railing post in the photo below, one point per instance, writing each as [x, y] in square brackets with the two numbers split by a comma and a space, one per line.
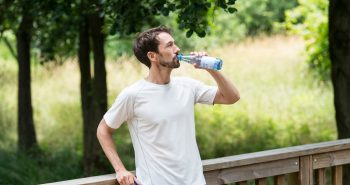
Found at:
[321, 176]
[306, 170]
[279, 180]
[337, 175]
[262, 181]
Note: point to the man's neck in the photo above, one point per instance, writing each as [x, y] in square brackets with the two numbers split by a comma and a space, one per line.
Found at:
[159, 75]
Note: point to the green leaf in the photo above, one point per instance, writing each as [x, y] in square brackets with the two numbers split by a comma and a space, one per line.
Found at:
[113, 29]
[231, 2]
[171, 7]
[232, 10]
[201, 33]
[189, 33]
[165, 11]
[223, 6]
[208, 5]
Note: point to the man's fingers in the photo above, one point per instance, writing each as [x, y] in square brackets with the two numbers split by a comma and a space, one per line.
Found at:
[123, 180]
[203, 53]
[131, 179]
[199, 53]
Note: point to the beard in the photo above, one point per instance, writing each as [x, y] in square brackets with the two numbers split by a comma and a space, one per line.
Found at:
[172, 64]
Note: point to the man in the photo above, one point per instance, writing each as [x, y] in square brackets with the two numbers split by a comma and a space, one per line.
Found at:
[159, 111]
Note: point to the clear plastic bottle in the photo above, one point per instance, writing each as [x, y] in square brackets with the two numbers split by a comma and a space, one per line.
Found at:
[202, 61]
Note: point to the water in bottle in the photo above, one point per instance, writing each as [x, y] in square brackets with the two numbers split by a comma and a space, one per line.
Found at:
[202, 61]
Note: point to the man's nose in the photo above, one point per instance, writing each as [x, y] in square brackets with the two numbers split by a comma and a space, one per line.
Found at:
[177, 49]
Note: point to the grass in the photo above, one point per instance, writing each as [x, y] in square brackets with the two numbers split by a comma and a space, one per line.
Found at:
[281, 105]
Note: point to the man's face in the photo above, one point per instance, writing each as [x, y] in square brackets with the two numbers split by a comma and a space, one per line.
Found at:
[167, 51]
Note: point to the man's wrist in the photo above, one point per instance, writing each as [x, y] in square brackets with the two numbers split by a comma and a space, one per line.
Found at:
[118, 170]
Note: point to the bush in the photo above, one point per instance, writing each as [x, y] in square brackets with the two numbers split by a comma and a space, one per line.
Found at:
[259, 16]
[310, 20]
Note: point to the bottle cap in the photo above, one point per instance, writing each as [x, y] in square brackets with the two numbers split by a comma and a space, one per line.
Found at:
[218, 64]
[179, 56]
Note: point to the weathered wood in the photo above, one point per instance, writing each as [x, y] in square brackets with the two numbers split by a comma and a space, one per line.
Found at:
[211, 177]
[279, 180]
[261, 170]
[262, 181]
[277, 154]
[329, 159]
[337, 175]
[320, 176]
[243, 183]
[293, 179]
[306, 170]
[96, 180]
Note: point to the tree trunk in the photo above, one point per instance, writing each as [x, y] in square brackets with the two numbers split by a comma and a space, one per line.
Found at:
[26, 131]
[339, 48]
[86, 96]
[93, 89]
[99, 82]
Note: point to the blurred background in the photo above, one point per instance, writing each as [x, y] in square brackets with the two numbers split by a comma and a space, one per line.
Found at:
[62, 64]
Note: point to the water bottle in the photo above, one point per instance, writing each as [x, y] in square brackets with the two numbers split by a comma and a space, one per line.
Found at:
[202, 61]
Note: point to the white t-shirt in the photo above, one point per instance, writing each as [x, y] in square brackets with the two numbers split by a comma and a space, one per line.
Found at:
[161, 124]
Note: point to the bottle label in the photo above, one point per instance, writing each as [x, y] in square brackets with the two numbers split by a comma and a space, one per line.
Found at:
[209, 62]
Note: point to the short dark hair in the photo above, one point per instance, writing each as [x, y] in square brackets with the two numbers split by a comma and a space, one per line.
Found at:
[147, 41]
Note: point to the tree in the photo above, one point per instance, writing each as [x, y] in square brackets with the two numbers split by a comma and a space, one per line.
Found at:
[93, 87]
[23, 29]
[339, 50]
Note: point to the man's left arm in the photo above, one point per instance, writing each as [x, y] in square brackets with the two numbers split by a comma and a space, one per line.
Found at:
[227, 93]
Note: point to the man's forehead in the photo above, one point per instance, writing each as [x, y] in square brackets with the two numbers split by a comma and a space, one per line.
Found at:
[164, 38]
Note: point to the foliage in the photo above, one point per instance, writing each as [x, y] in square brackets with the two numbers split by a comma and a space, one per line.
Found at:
[310, 20]
[56, 33]
[259, 16]
[49, 167]
[252, 18]
[192, 15]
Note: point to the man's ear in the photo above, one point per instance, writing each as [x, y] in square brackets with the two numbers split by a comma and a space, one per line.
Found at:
[152, 56]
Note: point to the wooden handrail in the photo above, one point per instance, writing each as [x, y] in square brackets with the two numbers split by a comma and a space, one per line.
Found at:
[297, 161]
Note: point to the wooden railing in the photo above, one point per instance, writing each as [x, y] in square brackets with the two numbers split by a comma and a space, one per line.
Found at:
[298, 165]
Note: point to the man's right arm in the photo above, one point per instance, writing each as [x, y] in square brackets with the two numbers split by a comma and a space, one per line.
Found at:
[104, 135]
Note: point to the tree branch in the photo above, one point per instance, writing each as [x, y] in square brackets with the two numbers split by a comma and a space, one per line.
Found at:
[8, 44]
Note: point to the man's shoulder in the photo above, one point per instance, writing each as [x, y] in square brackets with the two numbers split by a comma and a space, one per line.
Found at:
[132, 89]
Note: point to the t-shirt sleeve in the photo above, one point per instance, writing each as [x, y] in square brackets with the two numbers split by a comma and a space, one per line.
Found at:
[203, 93]
[121, 110]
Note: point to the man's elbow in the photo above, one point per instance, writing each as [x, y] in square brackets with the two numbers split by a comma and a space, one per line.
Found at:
[233, 99]
[102, 130]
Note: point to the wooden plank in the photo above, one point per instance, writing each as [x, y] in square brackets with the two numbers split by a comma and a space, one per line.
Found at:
[293, 179]
[243, 183]
[277, 154]
[96, 180]
[321, 176]
[329, 159]
[279, 180]
[306, 170]
[337, 175]
[262, 170]
[262, 181]
[211, 177]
